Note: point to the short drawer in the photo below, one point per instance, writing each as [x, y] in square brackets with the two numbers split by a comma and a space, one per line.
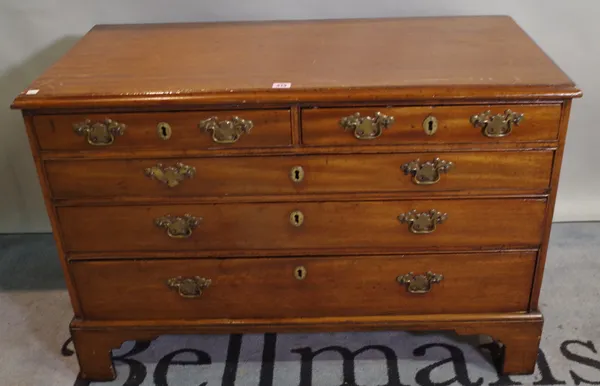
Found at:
[304, 287]
[168, 130]
[264, 227]
[440, 124]
[239, 176]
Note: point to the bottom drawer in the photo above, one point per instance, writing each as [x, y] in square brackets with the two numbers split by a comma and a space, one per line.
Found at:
[304, 287]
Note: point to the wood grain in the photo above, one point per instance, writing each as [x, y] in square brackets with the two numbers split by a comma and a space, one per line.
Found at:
[51, 211]
[297, 150]
[471, 223]
[271, 128]
[499, 197]
[254, 176]
[209, 62]
[321, 126]
[248, 288]
[539, 273]
[519, 333]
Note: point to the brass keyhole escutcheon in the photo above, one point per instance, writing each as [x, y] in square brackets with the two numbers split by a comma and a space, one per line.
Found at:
[163, 130]
[300, 273]
[296, 218]
[297, 174]
[430, 125]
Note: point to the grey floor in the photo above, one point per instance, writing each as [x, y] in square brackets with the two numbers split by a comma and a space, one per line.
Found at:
[35, 312]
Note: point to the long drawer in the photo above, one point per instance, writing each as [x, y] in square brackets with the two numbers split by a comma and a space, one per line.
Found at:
[399, 225]
[304, 287]
[430, 124]
[236, 176]
[165, 130]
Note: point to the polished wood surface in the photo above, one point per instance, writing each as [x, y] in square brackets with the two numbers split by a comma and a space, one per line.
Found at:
[211, 62]
[271, 128]
[519, 333]
[499, 195]
[470, 224]
[494, 172]
[321, 126]
[248, 288]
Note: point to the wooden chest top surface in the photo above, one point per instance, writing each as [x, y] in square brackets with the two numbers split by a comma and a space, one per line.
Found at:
[408, 58]
[405, 179]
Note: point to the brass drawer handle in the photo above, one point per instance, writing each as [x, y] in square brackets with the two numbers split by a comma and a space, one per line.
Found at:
[170, 175]
[99, 133]
[496, 125]
[419, 284]
[421, 223]
[366, 127]
[178, 227]
[189, 287]
[226, 131]
[427, 173]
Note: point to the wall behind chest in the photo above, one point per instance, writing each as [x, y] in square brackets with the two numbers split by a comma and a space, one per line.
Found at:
[35, 34]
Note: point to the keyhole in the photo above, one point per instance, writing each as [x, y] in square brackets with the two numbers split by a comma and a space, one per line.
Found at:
[297, 173]
[163, 130]
[296, 218]
[430, 125]
[300, 273]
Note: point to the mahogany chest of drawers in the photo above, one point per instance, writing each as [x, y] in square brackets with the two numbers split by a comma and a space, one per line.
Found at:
[301, 176]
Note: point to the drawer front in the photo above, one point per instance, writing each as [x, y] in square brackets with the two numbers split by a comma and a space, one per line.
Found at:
[323, 126]
[185, 130]
[470, 223]
[236, 176]
[343, 286]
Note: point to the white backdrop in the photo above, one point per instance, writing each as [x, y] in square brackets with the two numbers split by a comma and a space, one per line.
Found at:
[35, 33]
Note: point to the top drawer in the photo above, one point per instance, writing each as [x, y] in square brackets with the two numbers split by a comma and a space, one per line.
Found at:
[168, 130]
[443, 124]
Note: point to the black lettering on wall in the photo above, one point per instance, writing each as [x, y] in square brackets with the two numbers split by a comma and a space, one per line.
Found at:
[544, 368]
[233, 357]
[137, 370]
[495, 351]
[267, 366]
[546, 379]
[162, 367]
[307, 357]
[457, 358]
[586, 361]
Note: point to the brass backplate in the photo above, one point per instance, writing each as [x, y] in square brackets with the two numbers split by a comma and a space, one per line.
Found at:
[422, 223]
[99, 133]
[499, 125]
[189, 287]
[178, 227]
[366, 127]
[419, 284]
[171, 175]
[226, 131]
[427, 173]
